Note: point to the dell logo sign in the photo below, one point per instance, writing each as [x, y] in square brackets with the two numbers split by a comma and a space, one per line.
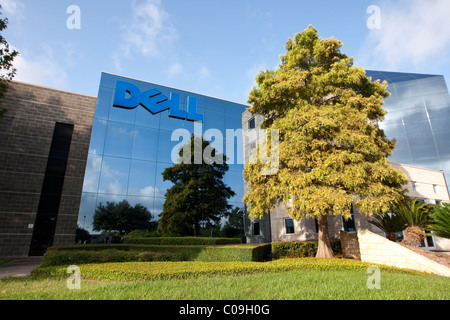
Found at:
[128, 96]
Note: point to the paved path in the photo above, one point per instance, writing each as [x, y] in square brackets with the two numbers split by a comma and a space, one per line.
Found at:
[19, 267]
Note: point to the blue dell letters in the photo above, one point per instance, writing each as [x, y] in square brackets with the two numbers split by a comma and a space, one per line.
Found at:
[128, 96]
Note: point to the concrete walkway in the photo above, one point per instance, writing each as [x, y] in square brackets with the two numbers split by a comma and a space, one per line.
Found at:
[19, 267]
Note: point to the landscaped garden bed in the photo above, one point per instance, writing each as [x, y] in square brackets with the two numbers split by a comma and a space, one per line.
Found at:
[145, 271]
[82, 254]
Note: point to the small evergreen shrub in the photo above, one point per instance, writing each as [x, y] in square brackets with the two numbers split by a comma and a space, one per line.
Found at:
[82, 254]
[181, 240]
[300, 249]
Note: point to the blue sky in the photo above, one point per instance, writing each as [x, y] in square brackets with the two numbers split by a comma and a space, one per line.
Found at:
[214, 47]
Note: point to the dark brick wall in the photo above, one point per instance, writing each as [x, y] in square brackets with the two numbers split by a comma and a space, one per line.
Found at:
[25, 136]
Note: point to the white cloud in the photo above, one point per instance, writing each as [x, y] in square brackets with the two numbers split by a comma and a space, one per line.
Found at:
[149, 33]
[41, 70]
[13, 8]
[150, 191]
[175, 69]
[412, 32]
[113, 188]
[203, 73]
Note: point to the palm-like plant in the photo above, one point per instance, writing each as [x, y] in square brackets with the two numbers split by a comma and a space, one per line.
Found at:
[390, 223]
[417, 217]
[440, 224]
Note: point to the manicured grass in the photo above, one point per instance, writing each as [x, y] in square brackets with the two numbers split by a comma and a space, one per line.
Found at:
[298, 285]
[149, 271]
[306, 278]
[4, 260]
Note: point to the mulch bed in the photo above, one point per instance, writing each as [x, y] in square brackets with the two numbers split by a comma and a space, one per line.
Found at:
[441, 258]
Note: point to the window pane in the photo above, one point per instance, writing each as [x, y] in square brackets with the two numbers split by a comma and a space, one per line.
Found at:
[165, 146]
[214, 120]
[145, 201]
[119, 139]
[169, 123]
[433, 85]
[419, 129]
[414, 115]
[87, 209]
[145, 143]
[104, 198]
[256, 231]
[437, 99]
[114, 176]
[98, 136]
[406, 89]
[232, 122]
[104, 99]
[424, 151]
[146, 119]
[142, 178]
[122, 115]
[393, 130]
[440, 124]
[160, 185]
[349, 225]
[211, 103]
[251, 123]
[289, 223]
[92, 173]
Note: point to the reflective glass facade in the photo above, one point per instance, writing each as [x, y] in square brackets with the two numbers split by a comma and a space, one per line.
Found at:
[130, 148]
[419, 118]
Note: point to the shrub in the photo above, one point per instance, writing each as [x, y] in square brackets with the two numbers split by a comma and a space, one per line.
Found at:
[56, 258]
[142, 234]
[81, 254]
[182, 240]
[241, 252]
[300, 249]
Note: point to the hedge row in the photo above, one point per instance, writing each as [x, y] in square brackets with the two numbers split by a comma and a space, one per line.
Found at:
[300, 249]
[208, 241]
[145, 271]
[82, 254]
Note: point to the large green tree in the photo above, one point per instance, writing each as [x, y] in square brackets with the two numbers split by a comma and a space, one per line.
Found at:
[331, 151]
[198, 195]
[7, 71]
[121, 217]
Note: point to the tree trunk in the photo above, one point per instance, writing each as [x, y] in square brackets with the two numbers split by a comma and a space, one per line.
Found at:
[392, 236]
[413, 236]
[324, 246]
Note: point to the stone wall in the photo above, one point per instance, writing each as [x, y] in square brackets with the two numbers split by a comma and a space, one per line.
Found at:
[350, 245]
[377, 249]
[26, 134]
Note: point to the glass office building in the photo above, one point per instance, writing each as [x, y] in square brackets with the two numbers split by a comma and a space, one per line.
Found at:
[418, 118]
[130, 147]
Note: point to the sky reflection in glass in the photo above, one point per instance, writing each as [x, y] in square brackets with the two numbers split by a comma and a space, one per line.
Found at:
[130, 148]
[418, 117]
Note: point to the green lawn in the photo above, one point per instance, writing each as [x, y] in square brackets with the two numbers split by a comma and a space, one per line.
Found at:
[283, 279]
